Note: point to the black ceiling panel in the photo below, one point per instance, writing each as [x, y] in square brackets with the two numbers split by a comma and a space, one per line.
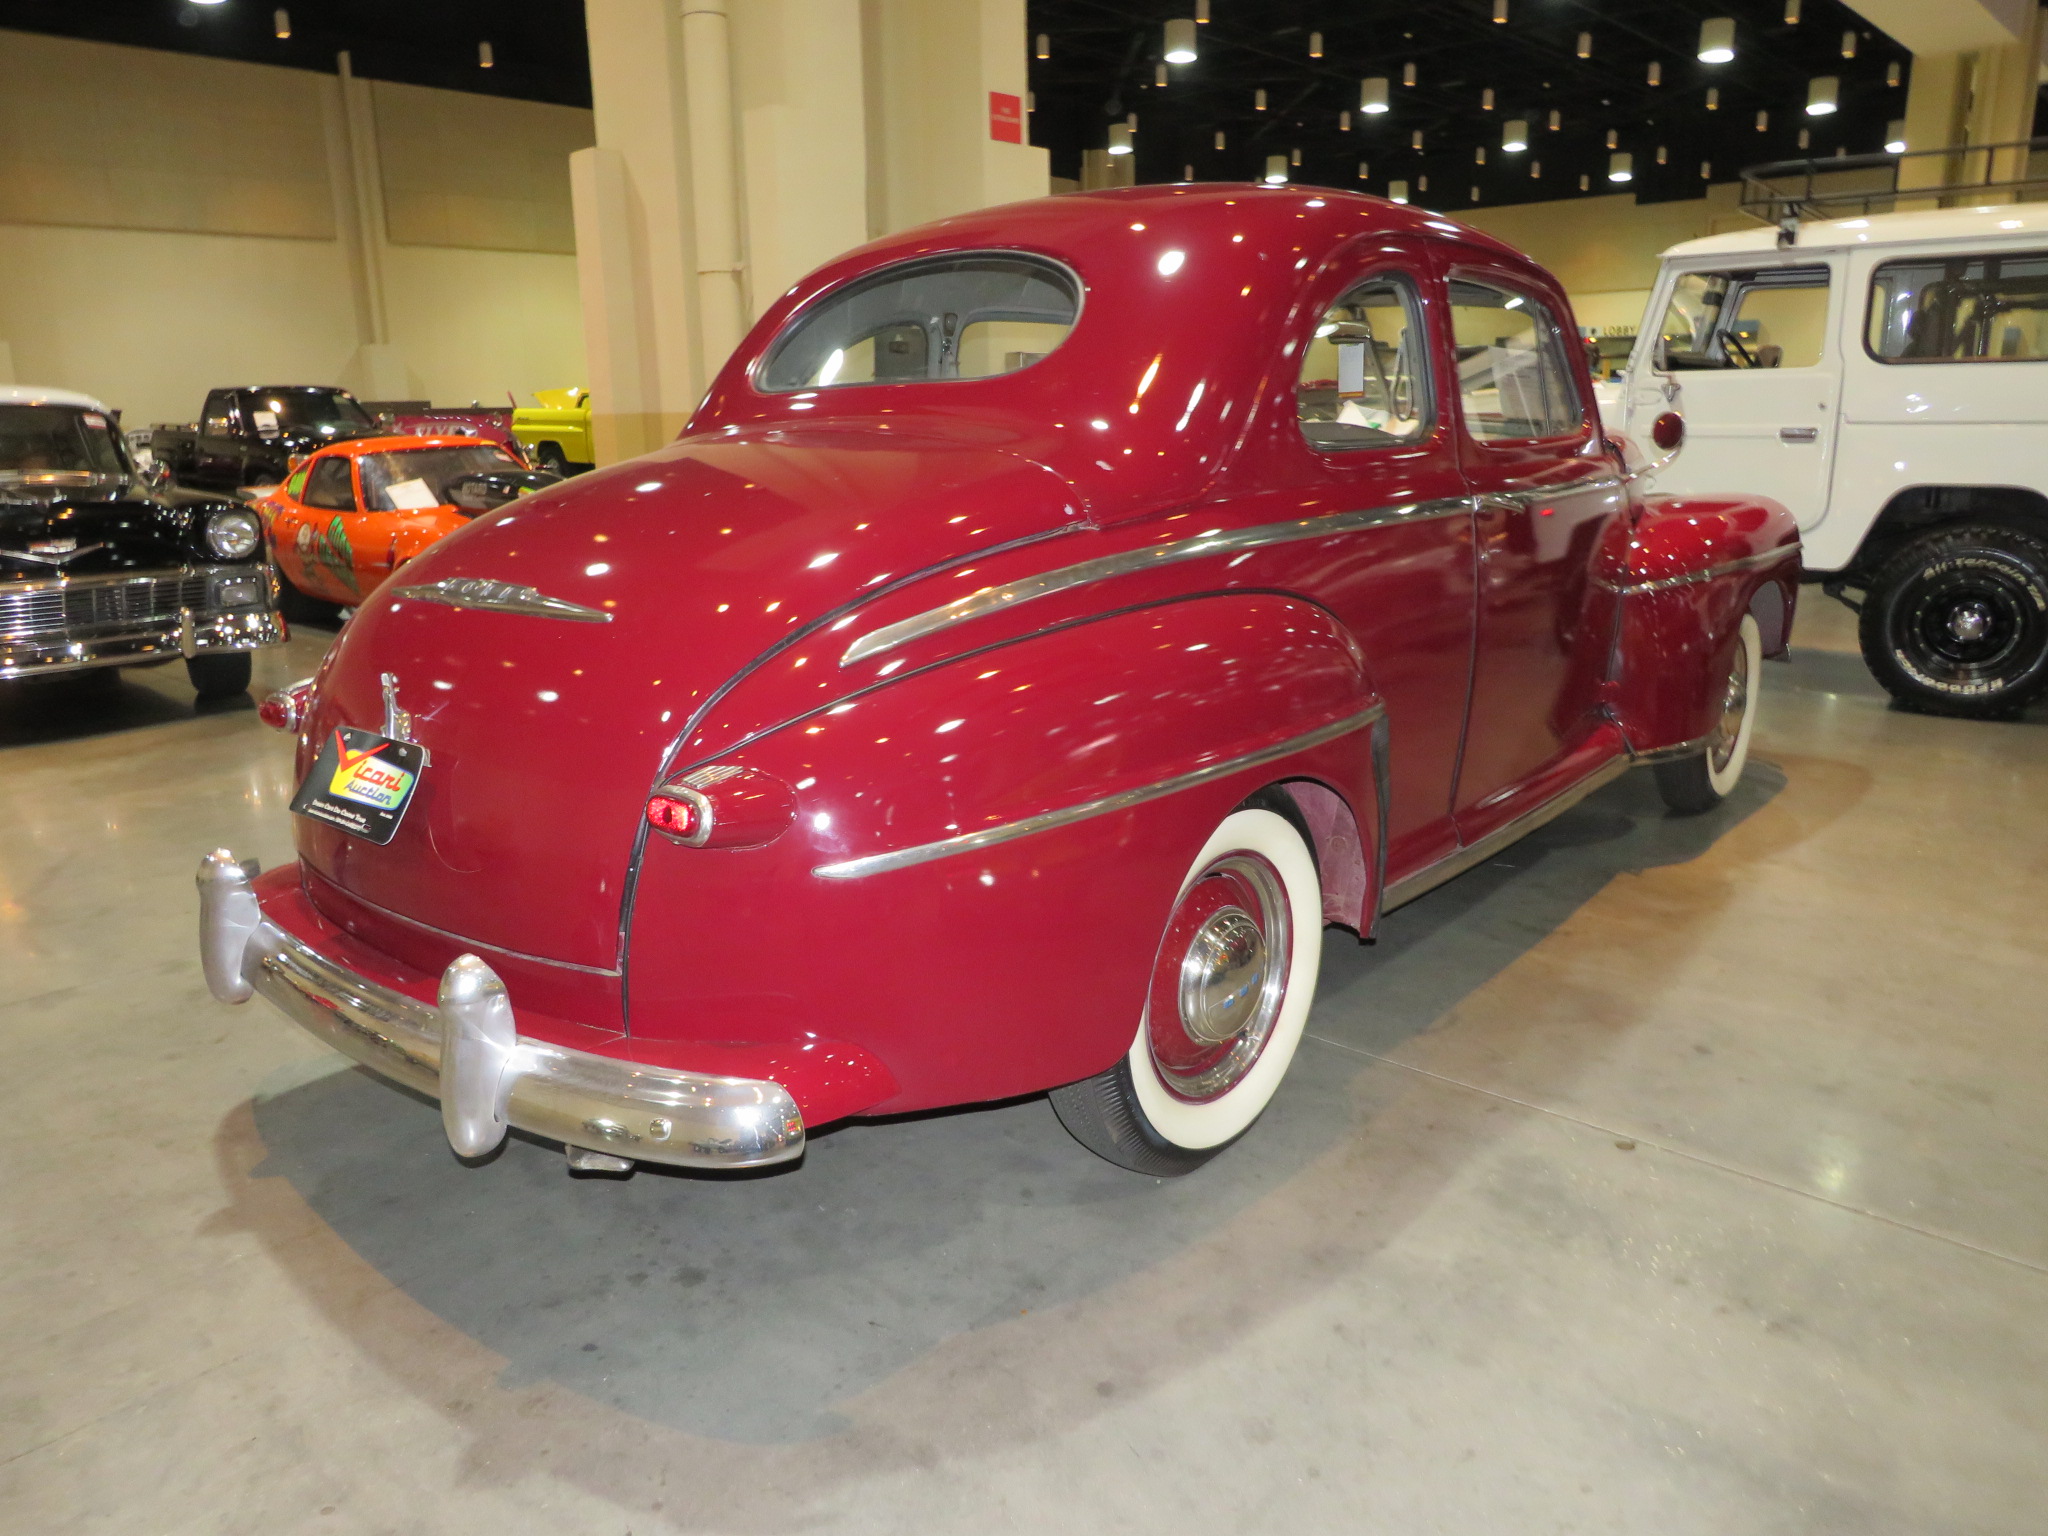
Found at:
[1104, 55]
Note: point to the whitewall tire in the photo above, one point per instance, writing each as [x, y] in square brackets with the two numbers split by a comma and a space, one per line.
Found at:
[1232, 981]
[1704, 779]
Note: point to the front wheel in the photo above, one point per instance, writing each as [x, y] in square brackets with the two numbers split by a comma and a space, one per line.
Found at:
[219, 676]
[549, 456]
[1231, 985]
[1707, 777]
[1956, 623]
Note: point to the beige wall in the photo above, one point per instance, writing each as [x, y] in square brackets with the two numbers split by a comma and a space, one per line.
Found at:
[170, 223]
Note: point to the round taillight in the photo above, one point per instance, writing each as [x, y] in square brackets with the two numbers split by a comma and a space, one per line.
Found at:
[285, 710]
[1668, 430]
[723, 806]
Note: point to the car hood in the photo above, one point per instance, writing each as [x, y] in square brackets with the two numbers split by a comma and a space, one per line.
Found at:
[108, 525]
[546, 733]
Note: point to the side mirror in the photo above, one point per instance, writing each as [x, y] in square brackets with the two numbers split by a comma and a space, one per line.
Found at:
[156, 474]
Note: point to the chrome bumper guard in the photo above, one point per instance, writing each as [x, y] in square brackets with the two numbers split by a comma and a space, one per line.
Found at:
[466, 1051]
[191, 634]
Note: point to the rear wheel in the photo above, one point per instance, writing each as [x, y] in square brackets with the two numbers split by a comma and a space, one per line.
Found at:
[1707, 777]
[221, 675]
[1956, 623]
[1231, 986]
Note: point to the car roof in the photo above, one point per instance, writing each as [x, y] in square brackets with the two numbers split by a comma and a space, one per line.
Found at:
[40, 394]
[289, 389]
[2025, 223]
[356, 447]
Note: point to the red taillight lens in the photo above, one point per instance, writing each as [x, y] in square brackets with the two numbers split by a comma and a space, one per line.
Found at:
[285, 710]
[675, 816]
[1668, 430]
[724, 806]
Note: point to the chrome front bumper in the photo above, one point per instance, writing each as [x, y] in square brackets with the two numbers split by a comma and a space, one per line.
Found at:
[35, 654]
[466, 1051]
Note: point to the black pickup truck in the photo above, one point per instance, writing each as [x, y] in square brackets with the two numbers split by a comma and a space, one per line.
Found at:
[103, 565]
[251, 436]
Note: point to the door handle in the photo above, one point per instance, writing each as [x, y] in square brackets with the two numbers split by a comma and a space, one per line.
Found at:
[1799, 434]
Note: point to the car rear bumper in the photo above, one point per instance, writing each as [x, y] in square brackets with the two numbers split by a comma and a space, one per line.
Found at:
[63, 624]
[465, 1050]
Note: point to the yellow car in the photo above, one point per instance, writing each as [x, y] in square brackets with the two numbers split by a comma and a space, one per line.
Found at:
[556, 433]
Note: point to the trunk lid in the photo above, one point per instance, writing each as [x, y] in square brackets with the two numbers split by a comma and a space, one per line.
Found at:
[545, 735]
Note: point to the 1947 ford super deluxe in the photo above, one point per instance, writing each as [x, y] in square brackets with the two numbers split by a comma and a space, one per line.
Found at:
[1050, 620]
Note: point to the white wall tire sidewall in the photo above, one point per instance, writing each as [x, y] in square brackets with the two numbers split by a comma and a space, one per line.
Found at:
[1196, 1127]
[1724, 780]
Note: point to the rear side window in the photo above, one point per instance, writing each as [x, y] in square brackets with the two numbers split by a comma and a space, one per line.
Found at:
[1966, 309]
[1512, 377]
[953, 317]
[1364, 376]
[331, 488]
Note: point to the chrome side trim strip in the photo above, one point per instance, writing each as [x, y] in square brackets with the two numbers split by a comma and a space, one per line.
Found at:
[1673, 752]
[878, 641]
[502, 597]
[969, 842]
[1690, 578]
[1452, 865]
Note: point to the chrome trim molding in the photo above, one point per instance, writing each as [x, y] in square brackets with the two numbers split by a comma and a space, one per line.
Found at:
[34, 655]
[502, 597]
[989, 599]
[1673, 752]
[1690, 578]
[969, 842]
[1452, 865]
[465, 1050]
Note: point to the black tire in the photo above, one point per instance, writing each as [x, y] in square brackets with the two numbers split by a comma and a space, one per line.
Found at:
[301, 608]
[1211, 1060]
[1956, 622]
[219, 676]
[1703, 779]
[549, 456]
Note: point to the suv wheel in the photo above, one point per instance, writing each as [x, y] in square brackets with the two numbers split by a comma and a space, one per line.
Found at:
[1956, 623]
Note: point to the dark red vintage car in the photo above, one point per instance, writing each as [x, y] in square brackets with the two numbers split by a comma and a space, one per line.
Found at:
[1053, 617]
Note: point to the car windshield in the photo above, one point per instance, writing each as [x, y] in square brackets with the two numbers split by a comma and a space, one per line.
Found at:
[302, 408]
[412, 479]
[954, 317]
[38, 441]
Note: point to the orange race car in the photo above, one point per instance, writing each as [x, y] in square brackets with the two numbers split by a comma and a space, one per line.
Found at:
[349, 515]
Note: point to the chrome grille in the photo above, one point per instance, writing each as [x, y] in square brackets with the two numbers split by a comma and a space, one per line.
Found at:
[121, 600]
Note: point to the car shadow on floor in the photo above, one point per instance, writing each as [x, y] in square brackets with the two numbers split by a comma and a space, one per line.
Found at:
[751, 1310]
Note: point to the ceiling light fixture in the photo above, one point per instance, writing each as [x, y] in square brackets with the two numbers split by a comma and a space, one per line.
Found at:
[1415, 139]
[1585, 45]
[1763, 122]
[1372, 94]
[1259, 99]
[1655, 74]
[1486, 99]
[1344, 121]
[1364, 170]
[1791, 13]
[1315, 45]
[485, 57]
[1201, 11]
[1713, 98]
[1621, 167]
[1706, 170]
[1613, 139]
[1514, 135]
[1805, 138]
[1717, 40]
[1397, 191]
[1535, 170]
[1500, 12]
[1849, 45]
[1044, 46]
[1408, 74]
[1219, 138]
[1821, 95]
[1895, 136]
[1276, 170]
[1556, 120]
[1891, 73]
[1119, 138]
[281, 23]
[1180, 40]
[1479, 155]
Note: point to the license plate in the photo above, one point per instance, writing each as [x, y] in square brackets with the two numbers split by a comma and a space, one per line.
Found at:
[361, 782]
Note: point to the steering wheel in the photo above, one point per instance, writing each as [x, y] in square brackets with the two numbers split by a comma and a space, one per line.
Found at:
[1735, 341]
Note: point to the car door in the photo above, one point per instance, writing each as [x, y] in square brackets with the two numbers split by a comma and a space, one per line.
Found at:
[1747, 355]
[1547, 495]
[1373, 406]
[320, 540]
[284, 514]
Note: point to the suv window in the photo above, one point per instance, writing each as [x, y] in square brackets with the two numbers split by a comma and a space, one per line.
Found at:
[954, 317]
[331, 487]
[1512, 378]
[219, 416]
[1775, 318]
[1364, 377]
[1966, 309]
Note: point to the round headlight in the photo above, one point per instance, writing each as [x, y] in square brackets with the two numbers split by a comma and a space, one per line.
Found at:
[234, 534]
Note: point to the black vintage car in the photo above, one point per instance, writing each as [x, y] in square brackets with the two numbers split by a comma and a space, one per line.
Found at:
[252, 436]
[104, 565]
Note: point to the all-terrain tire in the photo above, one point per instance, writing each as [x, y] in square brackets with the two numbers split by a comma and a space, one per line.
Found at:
[1956, 621]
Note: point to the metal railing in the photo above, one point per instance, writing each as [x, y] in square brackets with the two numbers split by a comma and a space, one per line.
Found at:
[1784, 192]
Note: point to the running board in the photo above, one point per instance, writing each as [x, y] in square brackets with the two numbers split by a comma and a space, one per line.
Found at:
[1423, 881]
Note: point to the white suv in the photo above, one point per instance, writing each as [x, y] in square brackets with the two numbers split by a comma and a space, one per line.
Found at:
[1886, 378]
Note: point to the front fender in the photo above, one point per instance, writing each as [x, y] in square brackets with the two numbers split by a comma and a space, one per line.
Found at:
[1693, 566]
[938, 903]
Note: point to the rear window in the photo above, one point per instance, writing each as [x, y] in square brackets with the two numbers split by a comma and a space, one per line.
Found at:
[1966, 309]
[953, 317]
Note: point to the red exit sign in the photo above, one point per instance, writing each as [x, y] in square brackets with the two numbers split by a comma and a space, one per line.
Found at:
[1005, 118]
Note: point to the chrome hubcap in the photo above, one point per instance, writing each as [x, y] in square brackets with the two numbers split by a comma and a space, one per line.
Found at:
[1970, 621]
[1734, 704]
[1220, 977]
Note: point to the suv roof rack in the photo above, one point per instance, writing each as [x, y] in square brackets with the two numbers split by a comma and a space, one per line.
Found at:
[1783, 192]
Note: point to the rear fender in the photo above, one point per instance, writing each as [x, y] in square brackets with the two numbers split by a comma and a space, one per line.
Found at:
[1018, 961]
[1694, 566]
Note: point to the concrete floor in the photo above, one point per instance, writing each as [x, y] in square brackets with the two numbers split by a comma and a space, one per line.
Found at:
[1669, 1176]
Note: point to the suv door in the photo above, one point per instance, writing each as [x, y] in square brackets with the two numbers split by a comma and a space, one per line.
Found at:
[1748, 356]
[1548, 495]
